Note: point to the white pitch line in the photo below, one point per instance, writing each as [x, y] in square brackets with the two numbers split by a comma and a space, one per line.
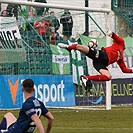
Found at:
[70, 128]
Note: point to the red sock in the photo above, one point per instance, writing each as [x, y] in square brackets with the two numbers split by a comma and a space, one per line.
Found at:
[98, 78]
[72, 47]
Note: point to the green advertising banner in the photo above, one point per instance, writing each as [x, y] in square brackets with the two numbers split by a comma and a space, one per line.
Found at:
[77, 66]
[60, 60]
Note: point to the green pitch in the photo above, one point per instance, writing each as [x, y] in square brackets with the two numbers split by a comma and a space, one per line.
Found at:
[117, 120]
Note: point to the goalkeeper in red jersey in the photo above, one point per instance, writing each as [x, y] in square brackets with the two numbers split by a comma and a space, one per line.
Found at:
[102, 58]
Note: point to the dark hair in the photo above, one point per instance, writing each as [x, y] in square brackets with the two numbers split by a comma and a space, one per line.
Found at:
[3, 11]
[28, 85]
[51, 12]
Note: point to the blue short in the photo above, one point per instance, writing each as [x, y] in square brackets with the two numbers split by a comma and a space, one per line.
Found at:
[3, 124]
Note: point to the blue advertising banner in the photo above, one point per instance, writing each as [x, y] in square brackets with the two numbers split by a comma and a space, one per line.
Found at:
[55, 91]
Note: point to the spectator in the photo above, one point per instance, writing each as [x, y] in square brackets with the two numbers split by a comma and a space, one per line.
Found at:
[67, 22]
[53, 36]
[13, 10]
[46, 14]
[29, 13]
[40, 10]
[43, 28]
[54, 21]
[4, 13]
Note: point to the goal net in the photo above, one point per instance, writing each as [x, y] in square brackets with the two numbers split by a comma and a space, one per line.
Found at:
[28, 51]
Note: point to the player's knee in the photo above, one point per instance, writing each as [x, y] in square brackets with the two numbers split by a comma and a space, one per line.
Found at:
[83, 49]
[109, 77]
[78, 47]
[7, 114]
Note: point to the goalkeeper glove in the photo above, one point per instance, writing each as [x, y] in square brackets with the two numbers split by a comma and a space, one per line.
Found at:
[109, 33]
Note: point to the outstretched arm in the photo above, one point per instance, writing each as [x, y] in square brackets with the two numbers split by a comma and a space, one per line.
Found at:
[123, 67]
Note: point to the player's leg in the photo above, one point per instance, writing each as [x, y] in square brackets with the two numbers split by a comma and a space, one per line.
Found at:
[106, 73]
[7, 121]
[103, 76]
[86, 83]
[87, 80]
[3, 124]
[81, 48]
[10, 118]
[100, 61]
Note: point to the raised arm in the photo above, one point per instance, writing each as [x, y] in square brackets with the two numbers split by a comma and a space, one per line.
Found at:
[115, 37]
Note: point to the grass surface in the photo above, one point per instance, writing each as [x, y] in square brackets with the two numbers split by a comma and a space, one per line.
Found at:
[116, 120]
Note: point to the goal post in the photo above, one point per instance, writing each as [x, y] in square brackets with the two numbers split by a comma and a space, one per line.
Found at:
[108, 83]
[37, 4]
[76, 31]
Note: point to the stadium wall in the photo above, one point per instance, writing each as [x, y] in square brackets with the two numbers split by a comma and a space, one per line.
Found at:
[60, 92]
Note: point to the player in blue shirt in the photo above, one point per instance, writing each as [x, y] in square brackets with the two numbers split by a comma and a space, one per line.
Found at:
[29, 114]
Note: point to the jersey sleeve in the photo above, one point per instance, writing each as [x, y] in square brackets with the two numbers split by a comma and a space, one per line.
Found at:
[44, 109]
[117, 39]
[29, 109]
[123, 67]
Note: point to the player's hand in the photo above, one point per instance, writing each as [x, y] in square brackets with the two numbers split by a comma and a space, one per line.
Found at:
[109, 33]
